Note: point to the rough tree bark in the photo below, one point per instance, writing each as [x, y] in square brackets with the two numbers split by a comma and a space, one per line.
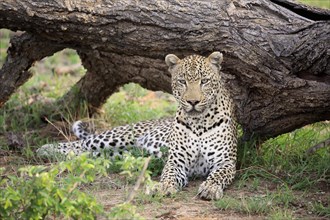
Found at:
[276, 52]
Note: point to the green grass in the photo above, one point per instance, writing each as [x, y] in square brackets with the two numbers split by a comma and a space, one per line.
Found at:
[320, 209]
[317, 3]
[280, 214]
[255, 205]
[274, 205]
[282, 161]
[130, 98]
[283, 158]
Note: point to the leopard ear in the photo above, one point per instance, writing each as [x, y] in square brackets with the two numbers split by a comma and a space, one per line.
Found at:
[216, 58]
[171, 60]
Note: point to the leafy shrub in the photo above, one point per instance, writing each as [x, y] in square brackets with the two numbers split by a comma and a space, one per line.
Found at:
[39, 191]
[131, 167]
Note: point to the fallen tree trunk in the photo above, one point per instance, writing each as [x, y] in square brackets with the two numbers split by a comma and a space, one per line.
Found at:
[276, 53]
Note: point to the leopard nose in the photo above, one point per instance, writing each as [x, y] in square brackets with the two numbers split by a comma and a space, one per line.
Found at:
[193, 102]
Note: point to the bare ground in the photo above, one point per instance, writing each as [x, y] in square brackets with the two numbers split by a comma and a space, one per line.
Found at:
[185, 205]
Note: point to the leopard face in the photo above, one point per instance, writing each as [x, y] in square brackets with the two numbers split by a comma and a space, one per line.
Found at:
[195, 81]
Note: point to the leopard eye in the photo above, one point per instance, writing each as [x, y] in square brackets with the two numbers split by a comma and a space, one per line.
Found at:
[205, 81]
[182, 81]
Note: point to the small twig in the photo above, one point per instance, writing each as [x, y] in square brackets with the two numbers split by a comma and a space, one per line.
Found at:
[138, 182]
[58, 129]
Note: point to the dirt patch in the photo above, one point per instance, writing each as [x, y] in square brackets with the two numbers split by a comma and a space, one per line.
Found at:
[185, 205]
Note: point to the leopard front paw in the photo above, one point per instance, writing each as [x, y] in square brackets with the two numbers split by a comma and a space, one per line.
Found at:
[210, 191]
[165, 188]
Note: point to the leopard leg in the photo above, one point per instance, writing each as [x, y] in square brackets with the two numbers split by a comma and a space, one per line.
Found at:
[219, 149]
[182, 156]
[173, 178]
[223, 175]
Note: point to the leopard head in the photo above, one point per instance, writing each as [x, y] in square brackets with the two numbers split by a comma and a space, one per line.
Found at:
[195, 80]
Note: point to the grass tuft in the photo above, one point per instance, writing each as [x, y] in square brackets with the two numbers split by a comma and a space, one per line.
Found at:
[320, 209]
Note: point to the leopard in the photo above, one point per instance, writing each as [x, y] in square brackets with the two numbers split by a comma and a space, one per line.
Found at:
[201, 139]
